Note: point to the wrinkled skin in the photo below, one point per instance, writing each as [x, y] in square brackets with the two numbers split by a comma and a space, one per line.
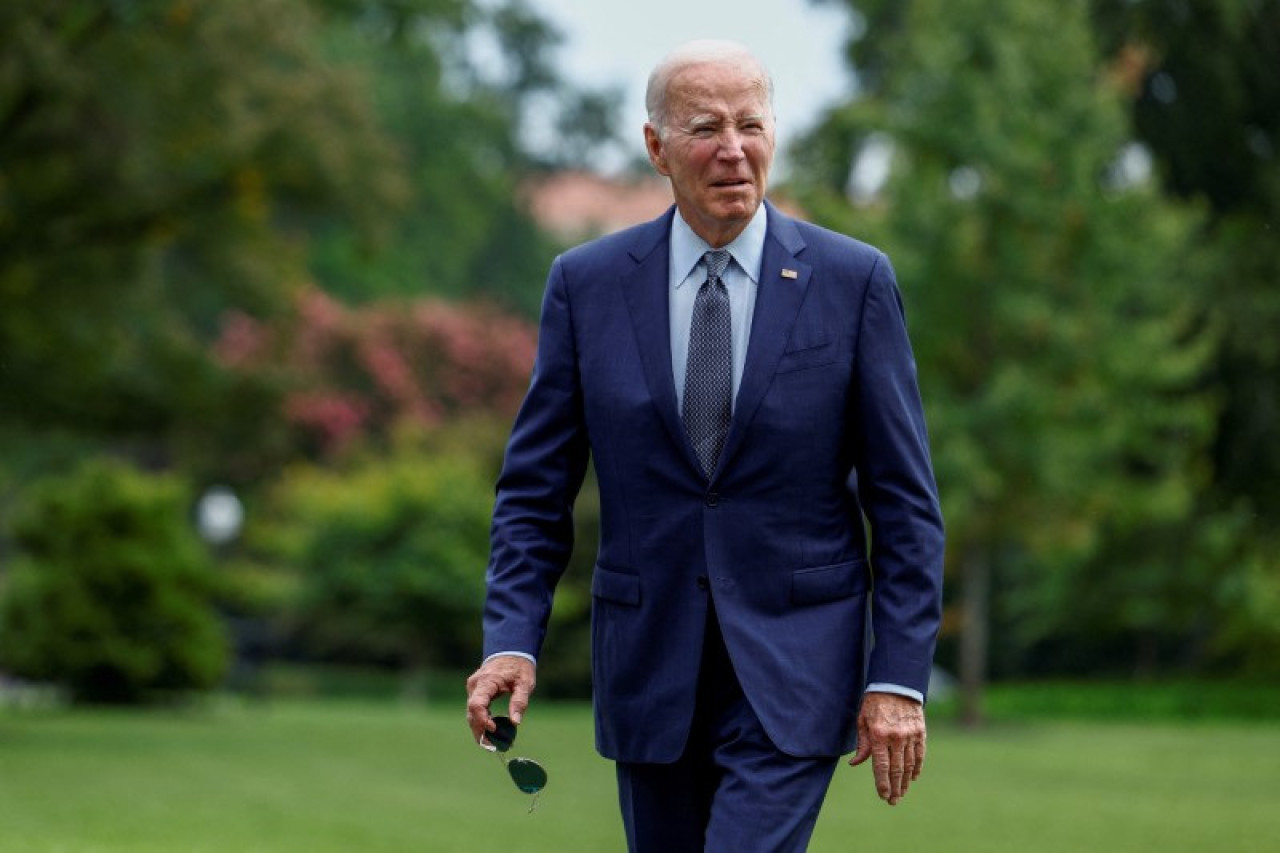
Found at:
[891, 732]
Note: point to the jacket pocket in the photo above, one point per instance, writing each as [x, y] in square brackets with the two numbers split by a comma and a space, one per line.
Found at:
[827, 583]
[614, 586]
[810, 355]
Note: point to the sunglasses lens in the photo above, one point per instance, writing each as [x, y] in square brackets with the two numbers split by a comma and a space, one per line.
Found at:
[527, 774]
[502, 737]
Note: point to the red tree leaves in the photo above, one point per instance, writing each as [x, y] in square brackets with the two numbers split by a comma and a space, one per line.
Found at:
[360, 373]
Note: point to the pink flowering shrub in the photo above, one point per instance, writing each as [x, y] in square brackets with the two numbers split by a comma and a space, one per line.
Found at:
[355, 374]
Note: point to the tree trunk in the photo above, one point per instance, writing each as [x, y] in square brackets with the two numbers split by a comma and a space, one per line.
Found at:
[976, 593]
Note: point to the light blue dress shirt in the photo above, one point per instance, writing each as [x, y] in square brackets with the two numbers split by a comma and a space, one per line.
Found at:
[687, 272]
[741, 279]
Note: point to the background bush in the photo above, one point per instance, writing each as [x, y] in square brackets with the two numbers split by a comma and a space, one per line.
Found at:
[389, 551]
[111, 595]
[379, 559]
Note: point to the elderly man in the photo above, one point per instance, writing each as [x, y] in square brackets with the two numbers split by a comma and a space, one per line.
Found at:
[746, 388]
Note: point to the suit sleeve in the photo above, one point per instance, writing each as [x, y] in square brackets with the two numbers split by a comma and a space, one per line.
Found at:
[897, 492]
[546, 460]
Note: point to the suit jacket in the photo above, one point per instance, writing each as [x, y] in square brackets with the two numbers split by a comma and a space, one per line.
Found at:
[827, 430]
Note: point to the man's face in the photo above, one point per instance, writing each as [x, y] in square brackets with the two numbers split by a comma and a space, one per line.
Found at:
[717, 149]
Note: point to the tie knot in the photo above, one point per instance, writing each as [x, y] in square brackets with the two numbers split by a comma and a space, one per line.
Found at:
[717, 261]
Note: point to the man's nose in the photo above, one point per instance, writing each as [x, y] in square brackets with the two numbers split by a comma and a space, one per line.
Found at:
[731, 144]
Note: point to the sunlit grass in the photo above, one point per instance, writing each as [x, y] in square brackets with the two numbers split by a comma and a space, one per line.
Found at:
[330, 776]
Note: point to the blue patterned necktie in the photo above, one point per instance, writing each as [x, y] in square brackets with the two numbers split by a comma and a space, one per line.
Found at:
[708, 376]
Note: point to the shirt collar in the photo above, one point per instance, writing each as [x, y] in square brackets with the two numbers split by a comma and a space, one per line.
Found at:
[687, 248]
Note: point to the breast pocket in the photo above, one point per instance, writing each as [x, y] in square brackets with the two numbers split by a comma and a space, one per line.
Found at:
[807, 356]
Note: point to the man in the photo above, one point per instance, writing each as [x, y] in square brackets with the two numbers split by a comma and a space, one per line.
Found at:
[746, 410]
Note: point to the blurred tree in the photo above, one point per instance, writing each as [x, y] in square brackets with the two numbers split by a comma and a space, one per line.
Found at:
[1202, 76]
[172, 172]
[112, 593]
[163, 162]
[150, 155]
[1059, 365]
[469, 93]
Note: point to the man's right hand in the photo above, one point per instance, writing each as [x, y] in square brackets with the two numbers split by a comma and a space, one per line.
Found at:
[501, 674]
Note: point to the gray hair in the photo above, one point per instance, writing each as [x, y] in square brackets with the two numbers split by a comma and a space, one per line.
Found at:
[701, 52]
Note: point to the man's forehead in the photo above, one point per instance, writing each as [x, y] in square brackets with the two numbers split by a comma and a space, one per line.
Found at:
[714, 79]
[740, 100]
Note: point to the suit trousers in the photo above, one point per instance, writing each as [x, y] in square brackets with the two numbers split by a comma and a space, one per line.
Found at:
[732, 790]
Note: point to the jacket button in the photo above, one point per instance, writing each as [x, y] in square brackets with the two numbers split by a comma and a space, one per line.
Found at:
[713, 499]
[703, 583]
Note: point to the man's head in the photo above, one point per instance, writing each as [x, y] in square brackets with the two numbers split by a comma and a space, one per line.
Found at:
[711, 131]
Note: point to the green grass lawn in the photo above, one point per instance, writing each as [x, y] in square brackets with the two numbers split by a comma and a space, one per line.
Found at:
[347, 776]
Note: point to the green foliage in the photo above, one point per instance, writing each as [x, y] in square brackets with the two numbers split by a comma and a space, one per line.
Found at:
[112, 593]
[171, 172]
[1206, 102]
[1206, 97]
[1056, 311]
[149, 154]
[167, 163]
[459, 125]
[391, 552]
[379, 557]
[461, 162]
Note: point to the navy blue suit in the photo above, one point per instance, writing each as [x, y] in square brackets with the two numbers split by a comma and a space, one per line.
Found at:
[827, 429]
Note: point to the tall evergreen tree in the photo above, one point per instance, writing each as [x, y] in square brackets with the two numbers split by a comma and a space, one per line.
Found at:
[1053, 299]
[1205, 99]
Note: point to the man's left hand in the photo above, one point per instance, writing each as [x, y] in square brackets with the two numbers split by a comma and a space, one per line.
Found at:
[891, 732]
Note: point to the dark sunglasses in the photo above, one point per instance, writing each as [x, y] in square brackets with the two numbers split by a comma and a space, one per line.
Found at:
[525, 772]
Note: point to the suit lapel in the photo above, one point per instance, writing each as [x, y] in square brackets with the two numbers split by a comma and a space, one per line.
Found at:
[646, 289]
[778, 302]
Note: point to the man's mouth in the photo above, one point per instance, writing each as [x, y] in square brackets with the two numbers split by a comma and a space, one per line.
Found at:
[731, 182]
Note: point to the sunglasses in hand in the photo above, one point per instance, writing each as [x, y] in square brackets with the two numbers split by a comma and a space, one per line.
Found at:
[525, 772]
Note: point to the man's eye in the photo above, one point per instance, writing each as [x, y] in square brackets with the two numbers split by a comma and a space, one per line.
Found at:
[704, 132]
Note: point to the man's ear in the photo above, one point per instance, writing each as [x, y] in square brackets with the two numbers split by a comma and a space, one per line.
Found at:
[657, 154]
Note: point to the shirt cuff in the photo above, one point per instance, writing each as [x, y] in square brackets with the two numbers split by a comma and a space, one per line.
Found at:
[530, 658]
[881, 687]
